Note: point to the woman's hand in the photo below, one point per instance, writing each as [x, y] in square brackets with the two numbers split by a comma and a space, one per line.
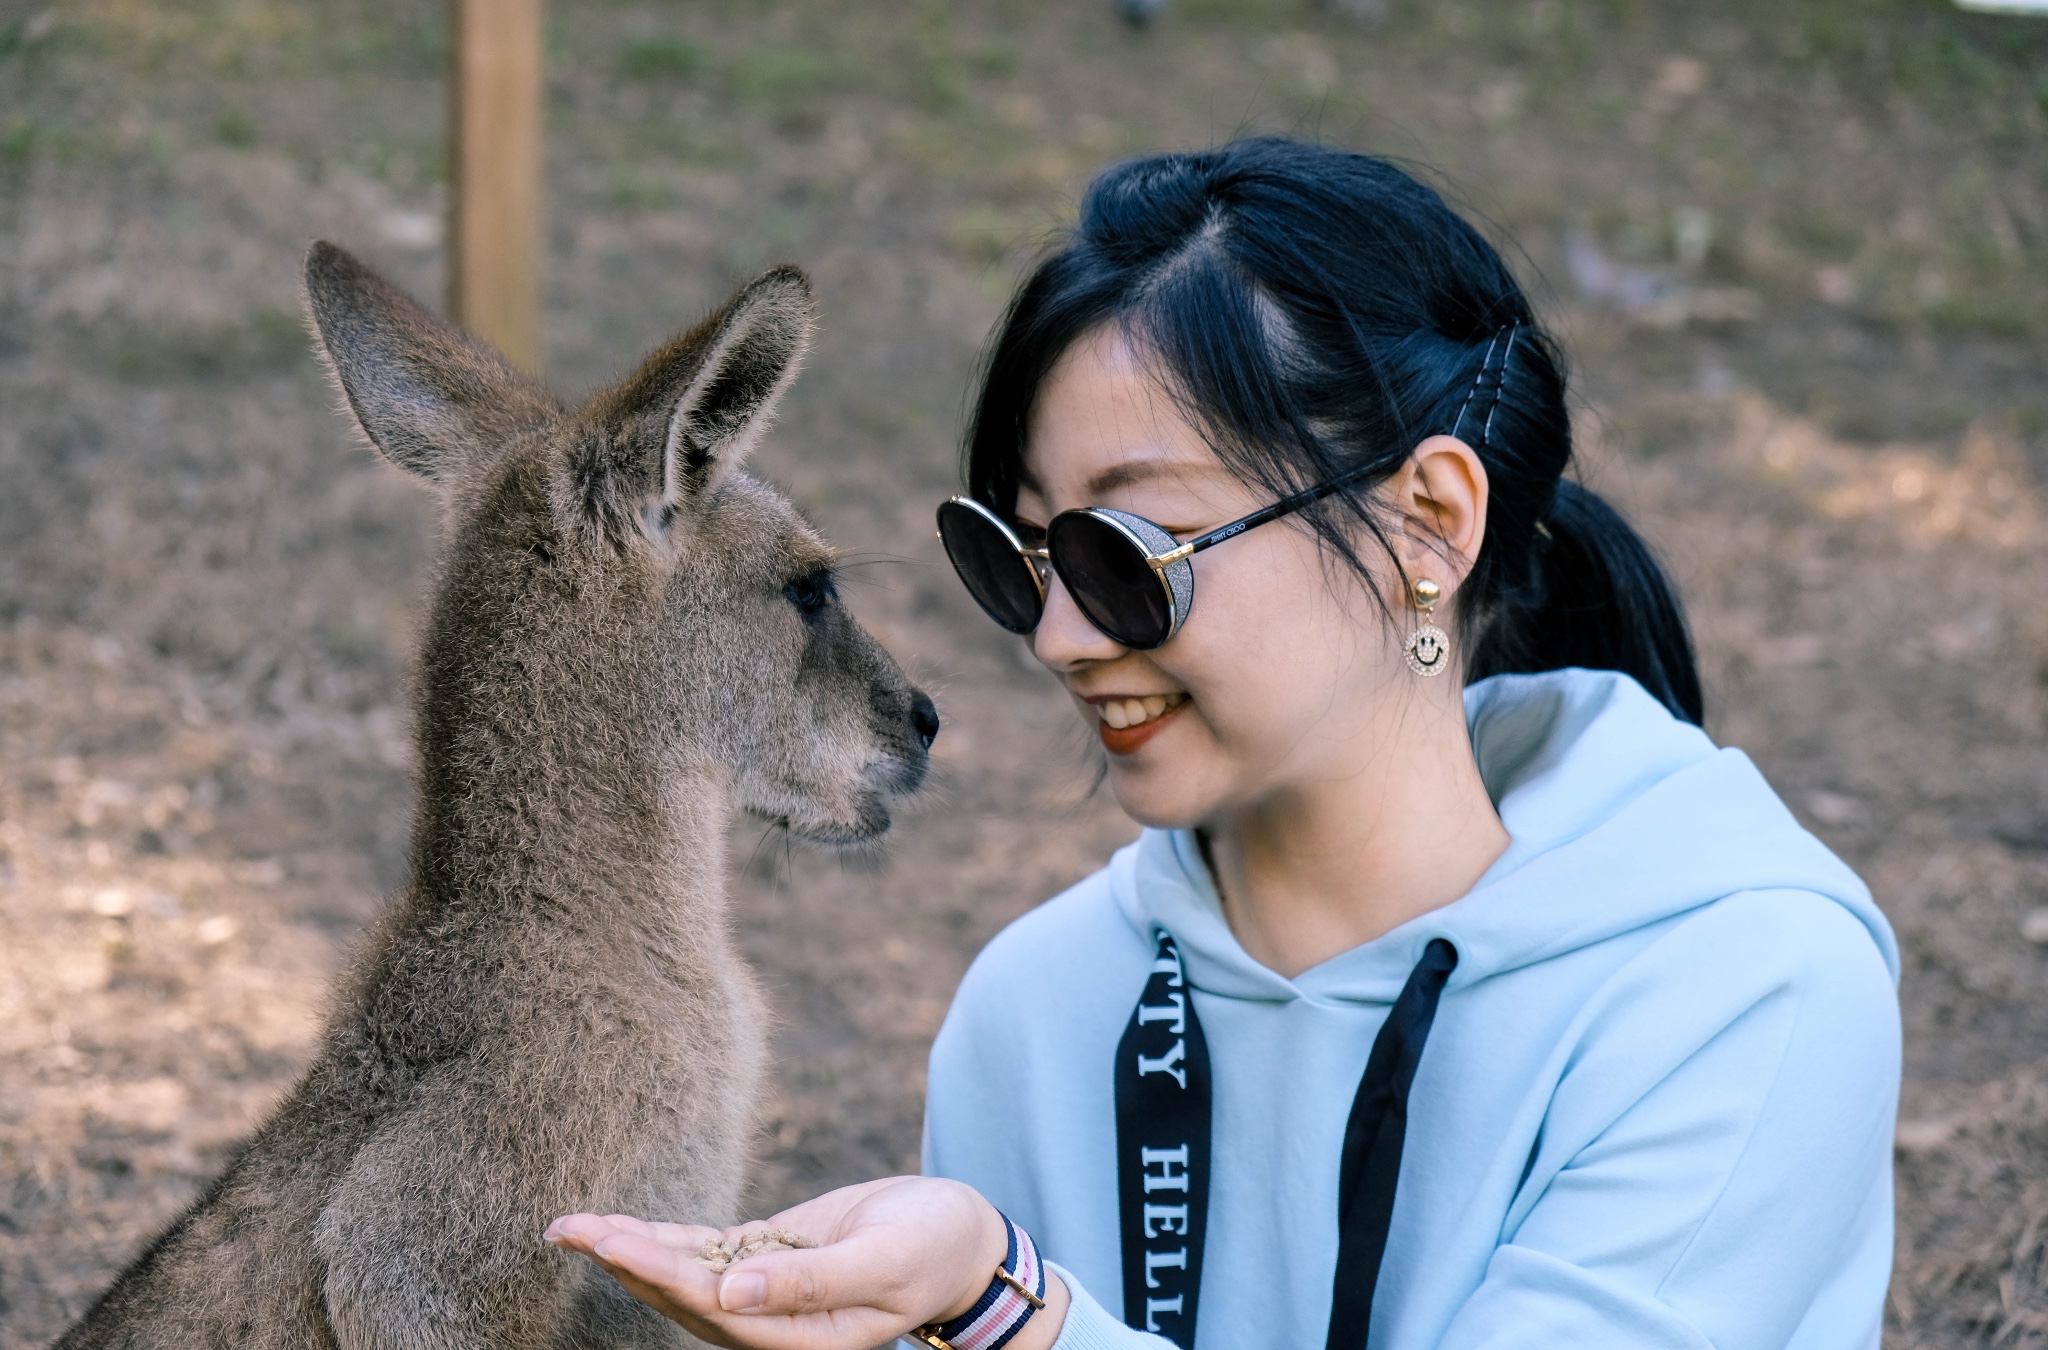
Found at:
[891, 1255]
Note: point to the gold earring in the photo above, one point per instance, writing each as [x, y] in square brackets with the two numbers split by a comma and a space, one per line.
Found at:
[1428, 648]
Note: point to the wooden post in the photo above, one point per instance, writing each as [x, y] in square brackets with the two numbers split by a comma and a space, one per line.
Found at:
[494, 132]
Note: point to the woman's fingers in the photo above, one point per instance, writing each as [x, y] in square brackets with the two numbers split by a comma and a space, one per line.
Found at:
[819, 1219]
[580, 1232]
[657, 1262]
[684, 1283]
[846, 1274]
[745, 1306]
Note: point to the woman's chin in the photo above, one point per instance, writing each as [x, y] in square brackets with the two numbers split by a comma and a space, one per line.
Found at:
[1155, 795]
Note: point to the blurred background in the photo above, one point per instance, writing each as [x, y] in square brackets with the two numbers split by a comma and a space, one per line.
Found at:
[1797, 248]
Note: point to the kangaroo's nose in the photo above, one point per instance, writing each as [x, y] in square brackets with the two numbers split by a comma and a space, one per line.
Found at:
[924, 717]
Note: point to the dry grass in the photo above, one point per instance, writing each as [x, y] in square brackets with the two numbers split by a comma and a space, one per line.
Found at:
[1797, 250]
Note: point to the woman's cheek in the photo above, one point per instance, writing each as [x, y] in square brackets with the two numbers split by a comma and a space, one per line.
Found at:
[1216, 755]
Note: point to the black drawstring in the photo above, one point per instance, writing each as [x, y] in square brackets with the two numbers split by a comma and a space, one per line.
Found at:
[1162, 1123]
[1372, 1145]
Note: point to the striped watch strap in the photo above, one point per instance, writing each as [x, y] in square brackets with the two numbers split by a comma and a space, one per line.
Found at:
[1016, 1292]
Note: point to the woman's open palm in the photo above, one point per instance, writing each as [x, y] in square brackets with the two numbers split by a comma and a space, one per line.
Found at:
[891, 1255]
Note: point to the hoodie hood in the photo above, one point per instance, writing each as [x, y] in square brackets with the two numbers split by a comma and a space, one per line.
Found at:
[1620, 816]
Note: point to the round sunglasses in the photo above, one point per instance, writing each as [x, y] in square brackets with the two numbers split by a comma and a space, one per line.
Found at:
[1130, 577]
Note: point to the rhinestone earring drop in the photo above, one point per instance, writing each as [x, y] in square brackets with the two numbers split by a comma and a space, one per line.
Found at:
[1428, 648]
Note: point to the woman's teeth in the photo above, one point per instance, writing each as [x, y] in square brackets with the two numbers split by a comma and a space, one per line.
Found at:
[1130, 712]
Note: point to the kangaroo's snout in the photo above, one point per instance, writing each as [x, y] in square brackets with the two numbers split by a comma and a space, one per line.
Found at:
[903, 723]
[924, 717]
[911, 711]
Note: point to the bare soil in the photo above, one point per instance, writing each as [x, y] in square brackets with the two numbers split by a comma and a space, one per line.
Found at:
[1799, 250]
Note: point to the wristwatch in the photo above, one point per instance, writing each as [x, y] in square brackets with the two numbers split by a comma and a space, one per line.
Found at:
[1016, 1292]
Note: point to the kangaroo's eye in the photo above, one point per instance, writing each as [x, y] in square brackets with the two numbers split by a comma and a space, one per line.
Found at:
[811, 592]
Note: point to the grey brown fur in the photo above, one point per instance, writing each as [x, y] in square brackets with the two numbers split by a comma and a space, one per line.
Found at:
[630, 640]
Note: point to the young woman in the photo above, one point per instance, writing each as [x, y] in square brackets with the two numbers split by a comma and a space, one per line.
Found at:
[1460, 991]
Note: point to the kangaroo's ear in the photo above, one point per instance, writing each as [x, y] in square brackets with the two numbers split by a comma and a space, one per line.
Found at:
[687, 418]
[425, 393]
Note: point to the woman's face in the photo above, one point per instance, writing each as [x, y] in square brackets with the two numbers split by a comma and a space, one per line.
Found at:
[1286, 672]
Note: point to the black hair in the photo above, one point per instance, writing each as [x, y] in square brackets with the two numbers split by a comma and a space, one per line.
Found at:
[1316, 311]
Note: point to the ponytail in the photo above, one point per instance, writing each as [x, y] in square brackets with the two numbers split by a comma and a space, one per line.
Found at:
[1599, 600]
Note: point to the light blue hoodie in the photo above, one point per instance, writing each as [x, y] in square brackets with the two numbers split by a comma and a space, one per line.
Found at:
[1655, 1109]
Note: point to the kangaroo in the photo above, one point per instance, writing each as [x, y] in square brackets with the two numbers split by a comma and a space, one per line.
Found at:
[630, 640]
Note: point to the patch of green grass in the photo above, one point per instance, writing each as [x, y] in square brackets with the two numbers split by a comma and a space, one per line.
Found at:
[782, 229]
[663, 56]
[982, 234]
[1825, 232]
[18, 146]
[1607, 106]
[28, 36]
[999, 56]
[38, 137]
[350, 641]
[423, 43]
[403, 166]
[632, 190]
[13, 36]
[148, 352]
[744, 256]
[418, 46]
[945, 82]
[1993, 316]
[772, 74]
[1828, 32]
[235, 127]
[1262, 14]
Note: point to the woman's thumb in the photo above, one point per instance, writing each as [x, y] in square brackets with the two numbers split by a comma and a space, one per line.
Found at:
[743, 1291]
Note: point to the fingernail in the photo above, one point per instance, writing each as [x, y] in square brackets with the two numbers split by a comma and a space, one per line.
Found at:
[743, 1292]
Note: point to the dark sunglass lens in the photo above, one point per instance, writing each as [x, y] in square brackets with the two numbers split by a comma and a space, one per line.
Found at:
[998, 577]
[1110, 579]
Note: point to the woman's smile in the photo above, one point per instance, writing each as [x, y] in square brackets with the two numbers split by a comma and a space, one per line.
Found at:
[1125, 723]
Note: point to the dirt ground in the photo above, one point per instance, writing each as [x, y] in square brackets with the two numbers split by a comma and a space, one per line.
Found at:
[1799, 249]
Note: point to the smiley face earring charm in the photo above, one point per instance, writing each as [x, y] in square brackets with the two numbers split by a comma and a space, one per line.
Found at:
[1428, 648]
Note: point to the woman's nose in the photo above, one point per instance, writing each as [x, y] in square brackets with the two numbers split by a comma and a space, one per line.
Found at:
[1064, 637]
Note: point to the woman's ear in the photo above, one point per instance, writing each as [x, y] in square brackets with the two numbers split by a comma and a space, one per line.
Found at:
[1440, 498]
